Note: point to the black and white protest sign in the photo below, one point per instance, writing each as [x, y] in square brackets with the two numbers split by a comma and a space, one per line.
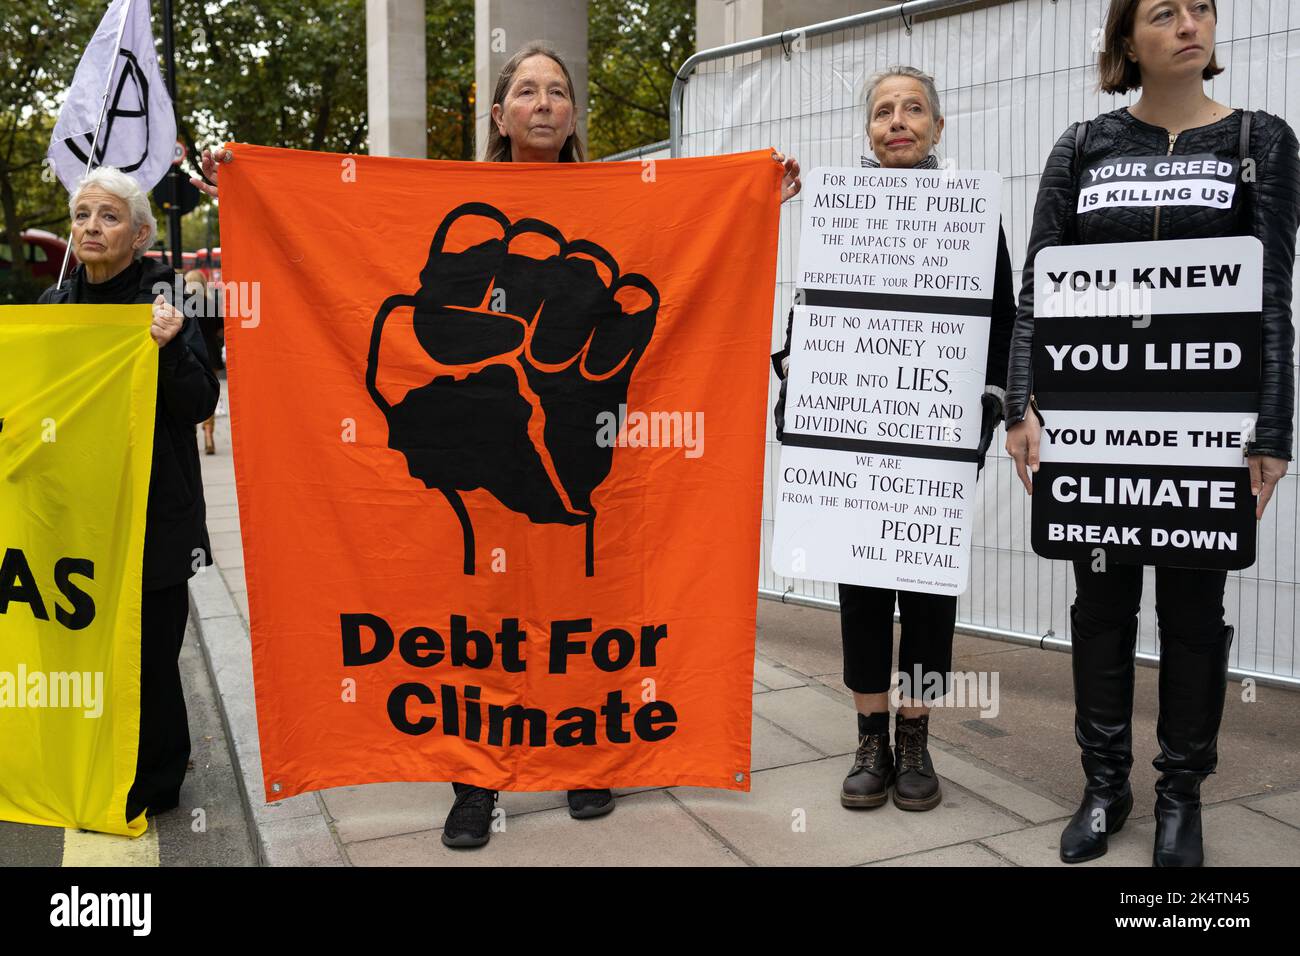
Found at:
[1146, 370]
[1197, 180]
[1213, 353]
[888, 354]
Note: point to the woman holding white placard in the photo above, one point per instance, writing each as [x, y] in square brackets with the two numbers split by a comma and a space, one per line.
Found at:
[904, 125]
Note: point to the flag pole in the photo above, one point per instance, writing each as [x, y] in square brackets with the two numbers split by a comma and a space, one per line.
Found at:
[174, 171]
[103, 108]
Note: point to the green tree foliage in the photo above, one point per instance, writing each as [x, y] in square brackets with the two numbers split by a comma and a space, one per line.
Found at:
[449, 66]
[272, 72]
[43, 40]
[293, 73]
[634, 49]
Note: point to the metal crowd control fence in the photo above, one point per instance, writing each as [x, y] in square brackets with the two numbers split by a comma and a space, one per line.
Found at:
[649, 151]
[1012, 76]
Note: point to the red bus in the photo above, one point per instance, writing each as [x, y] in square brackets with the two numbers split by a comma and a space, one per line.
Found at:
[44, 254]
[207, 261]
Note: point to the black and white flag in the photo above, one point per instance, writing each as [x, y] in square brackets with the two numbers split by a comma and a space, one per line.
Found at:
[139, 128]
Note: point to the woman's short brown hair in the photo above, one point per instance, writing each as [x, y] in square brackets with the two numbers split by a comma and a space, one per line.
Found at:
[1116, 72]
[498, 146]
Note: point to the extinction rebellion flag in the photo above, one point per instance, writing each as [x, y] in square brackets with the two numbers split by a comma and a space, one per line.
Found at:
[498, 438]
[77, 404]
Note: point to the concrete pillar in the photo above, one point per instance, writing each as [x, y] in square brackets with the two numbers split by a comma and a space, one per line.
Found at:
[502, 26]
[396, 94]
[718, 22]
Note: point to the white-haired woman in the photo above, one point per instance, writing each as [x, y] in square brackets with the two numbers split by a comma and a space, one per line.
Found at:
[904, 124]
[112, 227]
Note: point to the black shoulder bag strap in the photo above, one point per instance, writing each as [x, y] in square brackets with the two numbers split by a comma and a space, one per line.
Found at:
[1243, 153]
[1076, 169]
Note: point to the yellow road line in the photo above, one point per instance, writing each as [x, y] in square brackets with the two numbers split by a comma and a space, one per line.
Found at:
[84, 848]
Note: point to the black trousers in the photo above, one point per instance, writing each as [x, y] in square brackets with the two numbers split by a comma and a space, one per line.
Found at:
[1189, 601]
[867, 633]
[1194, 645]
[164, 723]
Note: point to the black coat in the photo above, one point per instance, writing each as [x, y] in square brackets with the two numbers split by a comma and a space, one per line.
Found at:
[1268, 209]
[175, 522]
[995, 381]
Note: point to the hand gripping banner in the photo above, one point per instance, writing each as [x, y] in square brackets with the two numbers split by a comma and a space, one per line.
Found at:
[498, 434]
[77, 401]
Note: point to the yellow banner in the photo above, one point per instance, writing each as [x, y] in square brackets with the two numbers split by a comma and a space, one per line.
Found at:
[77, 395]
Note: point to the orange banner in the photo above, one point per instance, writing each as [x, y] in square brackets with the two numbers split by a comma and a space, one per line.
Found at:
[498, 438]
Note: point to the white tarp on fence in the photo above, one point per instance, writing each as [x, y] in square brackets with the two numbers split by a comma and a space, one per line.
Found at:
[1011, 76]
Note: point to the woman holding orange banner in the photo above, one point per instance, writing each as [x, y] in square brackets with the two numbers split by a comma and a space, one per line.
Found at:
[534, 120]
[904, 125]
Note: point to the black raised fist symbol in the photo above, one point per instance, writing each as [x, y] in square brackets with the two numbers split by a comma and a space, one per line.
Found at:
[529, 349]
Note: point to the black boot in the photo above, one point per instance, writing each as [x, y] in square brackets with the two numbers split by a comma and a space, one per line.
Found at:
[917, 786]
[1193, 680]
[868, 783]
[1102, 662]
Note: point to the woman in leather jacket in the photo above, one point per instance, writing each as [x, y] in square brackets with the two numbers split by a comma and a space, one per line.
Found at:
[904, 123]
[1166, 49]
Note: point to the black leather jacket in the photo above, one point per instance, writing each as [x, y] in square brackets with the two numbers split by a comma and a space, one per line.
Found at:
[1268, 209]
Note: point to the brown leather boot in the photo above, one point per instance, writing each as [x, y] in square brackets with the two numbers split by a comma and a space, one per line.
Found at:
[917, 786]
[868, 783]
